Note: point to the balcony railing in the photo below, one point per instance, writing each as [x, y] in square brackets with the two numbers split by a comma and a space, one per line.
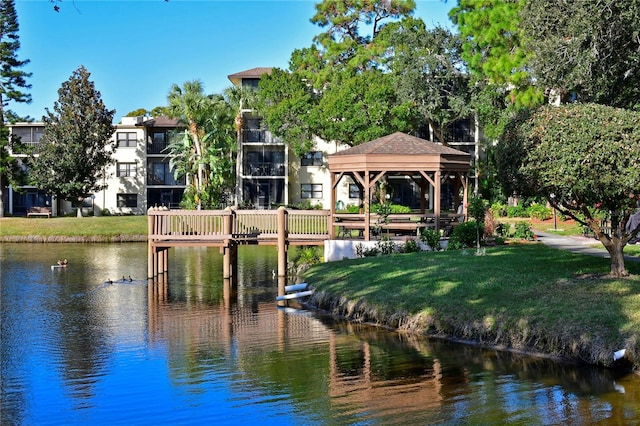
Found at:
[24, 148]
[460, 135]
[157, 147]
[167, 180]
[258, 136]
[264, 169]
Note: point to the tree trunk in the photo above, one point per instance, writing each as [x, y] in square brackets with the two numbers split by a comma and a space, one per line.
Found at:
[616, 251]
[1, 196]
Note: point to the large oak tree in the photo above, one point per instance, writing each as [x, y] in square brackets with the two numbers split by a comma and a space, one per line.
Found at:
[588, 50]
[75, 148]
[585, 159]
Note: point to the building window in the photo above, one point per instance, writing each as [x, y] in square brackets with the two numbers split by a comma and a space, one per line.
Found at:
[354, 191]
[159, 173]
[251, 83]
[126, 169]
[128, 200]
[126, 139]
[28, 135]
[159, 137]
[313, 158]
[311, 190]
[25, 137]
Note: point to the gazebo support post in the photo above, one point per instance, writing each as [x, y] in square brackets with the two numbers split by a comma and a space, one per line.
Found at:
[423, 197]
[436, 198]
[367, 208]
[464, 178]
[334, 188]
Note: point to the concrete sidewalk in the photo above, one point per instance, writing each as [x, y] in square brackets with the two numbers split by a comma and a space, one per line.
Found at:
[577, 244]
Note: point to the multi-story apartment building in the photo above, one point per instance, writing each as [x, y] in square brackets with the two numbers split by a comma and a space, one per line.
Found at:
[139, 178]
[162, 188]
[262, 167]
[268, 173]
[19, 202]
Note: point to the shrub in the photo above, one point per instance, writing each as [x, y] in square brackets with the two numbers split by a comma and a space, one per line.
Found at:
[498, 209]
[517, 211]
[306, 205]
[410, 246]
[463, 236]
[502, 229]
[385, 246]
[306, 256]
[431, 237]
[539, 211]
[389, 208]
[523, 231]
[361, 251]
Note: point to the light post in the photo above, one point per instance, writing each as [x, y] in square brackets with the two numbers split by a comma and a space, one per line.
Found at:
[553, 206]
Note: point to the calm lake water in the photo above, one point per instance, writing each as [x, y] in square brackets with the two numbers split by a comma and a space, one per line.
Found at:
[77, 350]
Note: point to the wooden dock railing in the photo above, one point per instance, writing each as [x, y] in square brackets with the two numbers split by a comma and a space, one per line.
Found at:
[228, 228]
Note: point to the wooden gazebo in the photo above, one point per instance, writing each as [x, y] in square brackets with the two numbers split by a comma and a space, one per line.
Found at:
[399, 154]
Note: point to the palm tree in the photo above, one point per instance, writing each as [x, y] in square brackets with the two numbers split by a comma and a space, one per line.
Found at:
[190, 105]
[241, 98]
[206, 152]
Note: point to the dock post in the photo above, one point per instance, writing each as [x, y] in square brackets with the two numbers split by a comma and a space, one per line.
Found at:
[228, 248]
[150, 272]
[160, 254]
[282, 241]
[150, 248]
[165, 260]
[282, 283]
[226, 259]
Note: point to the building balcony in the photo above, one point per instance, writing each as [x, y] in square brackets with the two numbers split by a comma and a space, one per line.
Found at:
[264, 169]
[169, 180]
[259, 136]
[24, 148]
[157, 147]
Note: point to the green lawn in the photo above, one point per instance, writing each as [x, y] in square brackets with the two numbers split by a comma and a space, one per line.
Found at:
[73, 226]
[521, 295]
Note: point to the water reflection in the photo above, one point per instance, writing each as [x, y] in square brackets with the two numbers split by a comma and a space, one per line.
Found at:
[192, 348]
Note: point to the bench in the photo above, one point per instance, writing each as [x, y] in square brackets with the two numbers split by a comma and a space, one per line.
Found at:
[39, 211]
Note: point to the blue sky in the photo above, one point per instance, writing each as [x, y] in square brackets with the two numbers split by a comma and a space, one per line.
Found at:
[135, 50]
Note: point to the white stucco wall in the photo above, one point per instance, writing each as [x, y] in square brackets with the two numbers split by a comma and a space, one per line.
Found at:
[108, 199]
[299, 175]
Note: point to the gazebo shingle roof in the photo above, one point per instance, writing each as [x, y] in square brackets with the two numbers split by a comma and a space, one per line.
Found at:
[399, 144]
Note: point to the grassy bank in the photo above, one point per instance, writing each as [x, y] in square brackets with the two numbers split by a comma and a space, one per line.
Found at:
[526, 297]
[102, 228]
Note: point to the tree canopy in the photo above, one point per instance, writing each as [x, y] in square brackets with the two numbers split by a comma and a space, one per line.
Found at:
[75, 147]
[430, 78]
[585, 159]
[493, 47]
[584, 49]
[374, 71]
[13, 88]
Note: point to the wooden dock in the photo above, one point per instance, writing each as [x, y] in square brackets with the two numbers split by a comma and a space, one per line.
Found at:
[229, 228]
